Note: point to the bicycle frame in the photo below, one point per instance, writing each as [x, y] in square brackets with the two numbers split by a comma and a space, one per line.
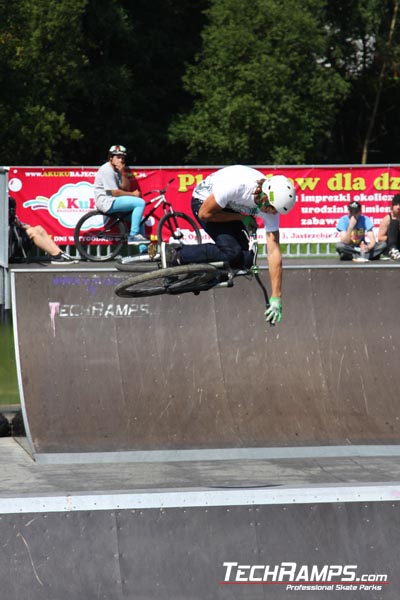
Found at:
[159, 200]
[251, 272]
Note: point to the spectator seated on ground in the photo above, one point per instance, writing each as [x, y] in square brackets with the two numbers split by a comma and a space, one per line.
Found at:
[389, 229]
[22, 235]
[357, 238]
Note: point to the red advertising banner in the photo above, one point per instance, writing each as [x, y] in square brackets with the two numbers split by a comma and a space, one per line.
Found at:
[57, 197]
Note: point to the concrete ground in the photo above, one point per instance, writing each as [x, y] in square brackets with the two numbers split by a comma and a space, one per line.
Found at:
[22, 476]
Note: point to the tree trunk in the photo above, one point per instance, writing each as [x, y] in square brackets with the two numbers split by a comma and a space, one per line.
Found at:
[381, 79]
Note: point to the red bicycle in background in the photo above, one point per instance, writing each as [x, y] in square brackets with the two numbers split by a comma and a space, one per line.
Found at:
[100, 237]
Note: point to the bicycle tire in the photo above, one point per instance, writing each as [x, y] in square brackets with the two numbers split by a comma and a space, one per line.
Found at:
[174, 280]
[139, 267]
[89, 240]
[170, 228]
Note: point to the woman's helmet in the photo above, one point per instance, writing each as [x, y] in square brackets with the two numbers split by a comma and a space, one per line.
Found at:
[280, 193]
[114, 150]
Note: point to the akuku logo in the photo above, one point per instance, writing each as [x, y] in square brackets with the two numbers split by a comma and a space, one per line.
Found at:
[68, 204]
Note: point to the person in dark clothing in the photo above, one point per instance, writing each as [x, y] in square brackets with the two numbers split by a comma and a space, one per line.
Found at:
[389, 229]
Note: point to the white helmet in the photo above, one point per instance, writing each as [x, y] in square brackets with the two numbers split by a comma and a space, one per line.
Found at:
[117, 151]
[280, 192]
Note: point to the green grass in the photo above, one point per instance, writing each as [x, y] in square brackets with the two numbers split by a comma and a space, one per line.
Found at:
[8, 372]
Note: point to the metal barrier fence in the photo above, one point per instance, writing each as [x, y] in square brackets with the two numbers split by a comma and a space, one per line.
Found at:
[309, 250]
[297, 250]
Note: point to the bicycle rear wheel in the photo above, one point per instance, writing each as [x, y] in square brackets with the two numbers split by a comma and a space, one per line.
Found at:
[99, 237]
[178, 227]
[174, 280]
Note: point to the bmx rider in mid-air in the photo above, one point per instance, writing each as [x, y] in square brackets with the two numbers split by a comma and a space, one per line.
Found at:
[219, 203]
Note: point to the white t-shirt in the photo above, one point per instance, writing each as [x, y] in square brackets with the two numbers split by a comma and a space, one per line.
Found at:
[106, 179]
[233, 187]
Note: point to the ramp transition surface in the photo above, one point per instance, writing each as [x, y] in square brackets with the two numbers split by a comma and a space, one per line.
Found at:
[99, 373]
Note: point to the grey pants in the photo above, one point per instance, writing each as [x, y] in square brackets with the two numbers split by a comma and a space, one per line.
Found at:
[348, 251]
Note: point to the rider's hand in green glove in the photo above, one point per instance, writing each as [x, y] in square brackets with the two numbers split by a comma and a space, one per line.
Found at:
[273, 314]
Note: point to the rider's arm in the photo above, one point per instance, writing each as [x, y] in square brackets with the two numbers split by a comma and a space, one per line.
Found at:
[211, 211]
[274, 263]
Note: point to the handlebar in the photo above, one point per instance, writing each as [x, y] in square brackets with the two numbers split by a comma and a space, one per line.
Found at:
[160, 192]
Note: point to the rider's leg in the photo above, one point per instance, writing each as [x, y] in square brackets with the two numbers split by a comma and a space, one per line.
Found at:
[231, 245]
[132, 204]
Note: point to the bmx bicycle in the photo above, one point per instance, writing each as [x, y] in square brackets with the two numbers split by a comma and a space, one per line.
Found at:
[100, 237]
[190, 278]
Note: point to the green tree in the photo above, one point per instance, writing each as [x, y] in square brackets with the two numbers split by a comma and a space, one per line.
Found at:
[102, 104]
[364, 49]
[263, 89]
[39, 59]
[166, 35]
[79, 75]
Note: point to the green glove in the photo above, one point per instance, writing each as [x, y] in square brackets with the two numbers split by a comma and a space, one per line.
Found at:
[273, 314]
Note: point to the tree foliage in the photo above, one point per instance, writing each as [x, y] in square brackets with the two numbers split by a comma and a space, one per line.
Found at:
[79, 75]
[210, 81]
[364, 47]
[263, 90]
[39, 69]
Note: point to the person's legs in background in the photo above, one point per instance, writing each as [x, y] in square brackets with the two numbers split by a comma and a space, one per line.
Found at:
[133, 205]
[393, 240]
[42, 240]
[376, 251]
[346, 251]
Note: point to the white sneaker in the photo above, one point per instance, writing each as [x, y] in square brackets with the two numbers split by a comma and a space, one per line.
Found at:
[394, 254]
[134, 240]
[360, 259]
[63, 259]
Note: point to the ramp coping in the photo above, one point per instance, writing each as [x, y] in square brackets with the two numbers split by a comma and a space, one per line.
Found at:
[207, 498]
[218, 454]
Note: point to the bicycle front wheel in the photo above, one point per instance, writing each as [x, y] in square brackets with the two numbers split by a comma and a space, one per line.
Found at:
[178, 227]
[174, 280]
[99, 237]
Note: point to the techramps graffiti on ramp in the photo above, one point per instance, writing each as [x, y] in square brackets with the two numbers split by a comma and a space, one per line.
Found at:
[103, 374]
